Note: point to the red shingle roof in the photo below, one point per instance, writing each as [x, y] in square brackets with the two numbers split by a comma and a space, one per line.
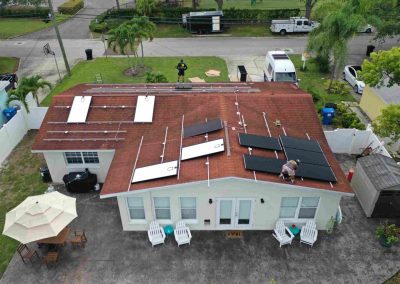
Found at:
[284, 102]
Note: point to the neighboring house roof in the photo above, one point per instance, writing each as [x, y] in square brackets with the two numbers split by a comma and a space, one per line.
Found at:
[174, 108]
[390, 95]
[382, 171]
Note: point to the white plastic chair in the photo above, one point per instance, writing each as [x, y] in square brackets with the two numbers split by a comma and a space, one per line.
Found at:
[156, 234]
[309, 233]
[182, 233]
[282, 234]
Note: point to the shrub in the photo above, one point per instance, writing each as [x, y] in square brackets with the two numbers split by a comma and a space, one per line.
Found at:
[155, 78]
[71, 7]
[344, 118]
[24, 11]
[340, 88]
[315, 94]
[322, 63]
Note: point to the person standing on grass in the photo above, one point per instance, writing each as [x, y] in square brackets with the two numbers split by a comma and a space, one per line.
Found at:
[182, 67]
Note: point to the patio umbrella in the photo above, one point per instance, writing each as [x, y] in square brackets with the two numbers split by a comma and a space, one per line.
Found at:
[40, 216]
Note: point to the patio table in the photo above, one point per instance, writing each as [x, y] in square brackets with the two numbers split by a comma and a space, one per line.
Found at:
[60, 239]
[168, 230]
[295, 230]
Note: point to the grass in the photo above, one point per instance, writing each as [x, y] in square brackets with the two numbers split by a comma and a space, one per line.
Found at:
[8, 64]
[171, 31]
[313, 79]
[12, 27]
[395, 279]
[249, 30]
[112, 69]
[18, 180]
[246, 4]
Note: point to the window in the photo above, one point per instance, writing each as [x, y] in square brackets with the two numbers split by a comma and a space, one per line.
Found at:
[285, 77]
[136, 208]
[299, 23]
[296, 207]
[81, 157]
[308, 207]
[188, 208]
[306, 23]
[162, 208]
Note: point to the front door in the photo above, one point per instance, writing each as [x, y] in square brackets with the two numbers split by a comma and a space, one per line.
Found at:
[234, 213]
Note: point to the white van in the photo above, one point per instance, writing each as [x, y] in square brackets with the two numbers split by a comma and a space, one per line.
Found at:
[279, 68]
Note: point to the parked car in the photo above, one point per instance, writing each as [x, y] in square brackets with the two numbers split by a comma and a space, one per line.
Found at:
[12, 78]
[293, 25]
[279, 68]
[352, 77]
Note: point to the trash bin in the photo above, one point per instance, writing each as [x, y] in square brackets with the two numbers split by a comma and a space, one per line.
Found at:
[327, 115]
[370, 48]
[9, 112]
[89, 54]
[45, 173]
[242, 73]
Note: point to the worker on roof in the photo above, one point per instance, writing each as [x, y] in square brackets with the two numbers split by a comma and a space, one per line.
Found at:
[289, 169]
[181, 70]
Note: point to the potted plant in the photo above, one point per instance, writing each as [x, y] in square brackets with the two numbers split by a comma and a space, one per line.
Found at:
[388, 234]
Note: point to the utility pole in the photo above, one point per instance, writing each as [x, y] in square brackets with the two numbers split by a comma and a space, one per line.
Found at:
[53, 18]
[117, 1]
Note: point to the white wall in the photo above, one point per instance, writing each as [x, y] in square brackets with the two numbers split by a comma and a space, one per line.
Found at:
[265, 214]
[58, 166]
[353, 141]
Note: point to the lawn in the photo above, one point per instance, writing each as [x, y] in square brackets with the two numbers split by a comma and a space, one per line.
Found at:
[249, 31]
[11, 27]
[111, 70]
[246, 4]
[8, 64]
[312, 79]
[18, 180]
[170, 31]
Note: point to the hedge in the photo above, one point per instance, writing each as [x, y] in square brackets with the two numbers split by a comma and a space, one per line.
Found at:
[162, 14]
[24, 12]
[71, 7]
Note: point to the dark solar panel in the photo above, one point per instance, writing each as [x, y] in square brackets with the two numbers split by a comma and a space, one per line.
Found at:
[316, 172]
[258, 141]
[299, 143]
[280, 56]
[261, 164]
[201, 128]
[307, 157]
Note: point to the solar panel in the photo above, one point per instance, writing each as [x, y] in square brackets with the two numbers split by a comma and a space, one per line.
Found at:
[299, 143]
[201, 128]
[79, 109]
[316, 172]
[261, 164]
[155, 171]
[144, 109]
[307, 157]
[202, 149]
[258, 141]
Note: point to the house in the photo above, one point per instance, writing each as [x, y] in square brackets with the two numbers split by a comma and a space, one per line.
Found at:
[3, 100]
[172, 154]
[375, 99]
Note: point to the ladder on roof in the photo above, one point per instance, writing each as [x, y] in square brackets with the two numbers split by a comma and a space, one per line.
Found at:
[98, 79]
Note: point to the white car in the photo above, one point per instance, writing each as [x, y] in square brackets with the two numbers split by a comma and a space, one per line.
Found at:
[351, 76]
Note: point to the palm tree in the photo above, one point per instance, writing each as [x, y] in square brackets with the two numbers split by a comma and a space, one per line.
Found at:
[33, 84]
[18, 94]
[144, 30]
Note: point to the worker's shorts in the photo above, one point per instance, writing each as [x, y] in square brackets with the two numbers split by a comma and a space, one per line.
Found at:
[288, 171]
[181, 72]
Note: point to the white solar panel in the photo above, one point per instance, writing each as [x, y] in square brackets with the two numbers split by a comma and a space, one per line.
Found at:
[202, 149]
[144, 109]
[155, 171]
[79, 109]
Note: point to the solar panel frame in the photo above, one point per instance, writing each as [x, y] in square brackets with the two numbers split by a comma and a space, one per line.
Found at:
[202, 149]
[202, 128]
[307, 157]
[156, 171]
[259, 141]
[299, 143]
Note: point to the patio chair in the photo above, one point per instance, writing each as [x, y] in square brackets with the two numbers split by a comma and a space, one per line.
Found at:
[26, 253]
[182, 234]
[51, 257]
[156, 234]
[282, 234]
[82, 234]
[309, 233]
[79, 239]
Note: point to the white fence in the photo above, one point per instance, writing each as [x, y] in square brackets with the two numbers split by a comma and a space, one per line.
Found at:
[14, 130]
[353, 141]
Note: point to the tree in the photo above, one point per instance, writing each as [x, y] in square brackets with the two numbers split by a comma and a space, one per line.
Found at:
[33, 84]
[387, 124]
[383, 69]
[143, 29]
[332, 36]
[145, 7]
[124, 39]
[18, 94]
[220, 3]
[309, 6]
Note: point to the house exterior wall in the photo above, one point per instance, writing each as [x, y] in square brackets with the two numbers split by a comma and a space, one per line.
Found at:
[265, 214]
[371, 103]
[58, 166]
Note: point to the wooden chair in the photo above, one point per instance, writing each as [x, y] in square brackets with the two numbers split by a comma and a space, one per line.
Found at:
[79, 239]
[309, 233]
[26, 253]
[51, 257]
[156, 234]
[282, 234]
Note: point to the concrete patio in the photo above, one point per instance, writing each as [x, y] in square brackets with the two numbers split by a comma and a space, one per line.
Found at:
[350, 255]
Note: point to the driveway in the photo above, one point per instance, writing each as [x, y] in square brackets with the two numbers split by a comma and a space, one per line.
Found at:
[350, 255]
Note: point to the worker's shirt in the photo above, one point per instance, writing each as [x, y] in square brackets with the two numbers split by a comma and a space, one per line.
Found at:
[181, 66]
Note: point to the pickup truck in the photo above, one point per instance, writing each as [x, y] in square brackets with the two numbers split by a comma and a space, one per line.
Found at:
[293, 25]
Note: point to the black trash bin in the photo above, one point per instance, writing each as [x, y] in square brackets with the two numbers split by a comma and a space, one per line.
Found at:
[89, 54]
[242, 73]
[79, 182]
[45, 173]
[370, 48]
